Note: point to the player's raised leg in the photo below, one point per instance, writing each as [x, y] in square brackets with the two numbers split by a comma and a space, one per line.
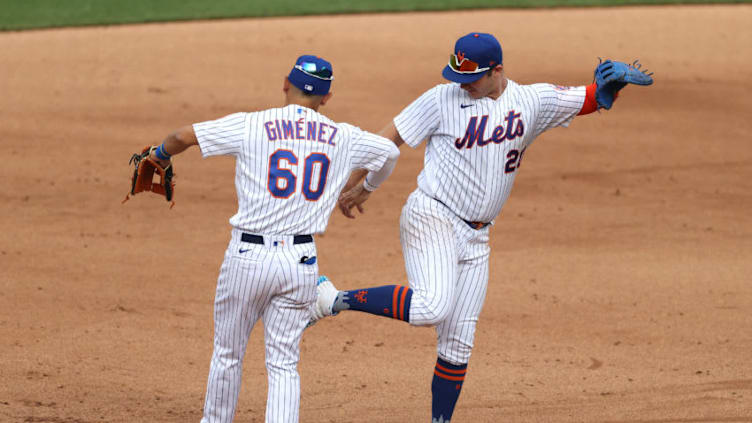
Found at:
[430, 251]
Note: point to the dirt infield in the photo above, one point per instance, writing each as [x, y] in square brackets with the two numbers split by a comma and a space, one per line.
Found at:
[620, 268]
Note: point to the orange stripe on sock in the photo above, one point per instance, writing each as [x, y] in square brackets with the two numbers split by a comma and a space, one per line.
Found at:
[452, 378]
[394, 301]
[456, 372]
[402, 303]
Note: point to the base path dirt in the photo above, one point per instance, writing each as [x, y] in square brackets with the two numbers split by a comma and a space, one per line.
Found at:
[620, 268]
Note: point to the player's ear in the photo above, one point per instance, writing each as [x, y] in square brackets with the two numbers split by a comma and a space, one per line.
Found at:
[326, 98]
[286, 85]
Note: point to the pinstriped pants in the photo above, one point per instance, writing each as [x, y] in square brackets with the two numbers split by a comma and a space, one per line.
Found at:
[447, 268]
[265, 282]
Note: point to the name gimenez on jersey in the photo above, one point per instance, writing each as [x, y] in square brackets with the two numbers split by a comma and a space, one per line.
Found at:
[300, 130]
[474, 132]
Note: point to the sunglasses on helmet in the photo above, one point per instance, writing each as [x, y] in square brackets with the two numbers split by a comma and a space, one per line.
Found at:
[312, 69]
[464, 65]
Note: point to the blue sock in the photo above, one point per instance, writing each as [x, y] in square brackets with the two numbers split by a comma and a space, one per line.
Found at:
[390, 301]
[446, 387]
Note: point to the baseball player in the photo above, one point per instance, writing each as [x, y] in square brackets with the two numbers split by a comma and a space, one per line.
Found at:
[477, 129]
[291, 164]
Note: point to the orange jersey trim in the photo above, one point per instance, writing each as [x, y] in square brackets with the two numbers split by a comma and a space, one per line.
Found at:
[590, 105]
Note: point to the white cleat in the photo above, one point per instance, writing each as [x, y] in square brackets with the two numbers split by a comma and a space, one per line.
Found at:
[326, 294]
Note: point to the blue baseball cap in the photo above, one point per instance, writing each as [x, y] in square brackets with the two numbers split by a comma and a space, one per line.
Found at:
[312, 75]
[474, 54]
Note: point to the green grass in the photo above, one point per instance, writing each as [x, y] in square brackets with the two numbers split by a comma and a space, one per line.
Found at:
[28, 14]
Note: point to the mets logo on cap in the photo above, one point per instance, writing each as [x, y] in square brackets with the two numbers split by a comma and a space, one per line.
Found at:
[475, 54]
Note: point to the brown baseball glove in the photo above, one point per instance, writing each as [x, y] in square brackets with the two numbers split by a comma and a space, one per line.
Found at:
[143, 176]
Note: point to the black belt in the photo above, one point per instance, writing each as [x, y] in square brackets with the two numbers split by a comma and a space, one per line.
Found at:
[258, 239]
[474, 225]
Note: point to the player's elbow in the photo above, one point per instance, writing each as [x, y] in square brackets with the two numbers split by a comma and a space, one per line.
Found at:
[185, 136]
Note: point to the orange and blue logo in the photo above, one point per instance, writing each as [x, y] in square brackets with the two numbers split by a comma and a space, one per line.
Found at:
[361, 296]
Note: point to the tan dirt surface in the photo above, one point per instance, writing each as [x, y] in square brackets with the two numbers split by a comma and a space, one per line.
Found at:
[620, 269]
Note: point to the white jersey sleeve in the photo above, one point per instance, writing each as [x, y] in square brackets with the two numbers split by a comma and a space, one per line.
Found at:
[420, 119]
[369, 151]
[223, 136]
[558, 105]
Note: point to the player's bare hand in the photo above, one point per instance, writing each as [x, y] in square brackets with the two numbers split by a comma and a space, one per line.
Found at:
[353, 198]
[356, 177]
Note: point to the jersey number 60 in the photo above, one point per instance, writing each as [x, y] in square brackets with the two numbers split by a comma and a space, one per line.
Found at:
[282, 181]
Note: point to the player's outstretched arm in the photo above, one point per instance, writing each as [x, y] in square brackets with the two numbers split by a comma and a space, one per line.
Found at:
[157, 160]
[358, 193]
[352, 194]
[175, 143]
[389, 132]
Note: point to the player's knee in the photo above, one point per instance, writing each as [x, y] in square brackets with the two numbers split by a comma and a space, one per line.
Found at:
[227, 357]
[456, 352]
[432, 312]
[455, 357]
[281, 366]
[435, 316]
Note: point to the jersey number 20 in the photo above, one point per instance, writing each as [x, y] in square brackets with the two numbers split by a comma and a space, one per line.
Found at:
[282, 181]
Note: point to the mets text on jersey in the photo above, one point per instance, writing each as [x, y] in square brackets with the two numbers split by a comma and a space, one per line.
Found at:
[474, 132]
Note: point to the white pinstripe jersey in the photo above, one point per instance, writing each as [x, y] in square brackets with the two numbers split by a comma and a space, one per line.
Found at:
[475, 147]
[291, 164]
